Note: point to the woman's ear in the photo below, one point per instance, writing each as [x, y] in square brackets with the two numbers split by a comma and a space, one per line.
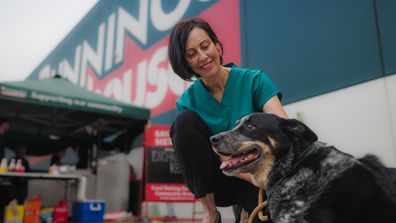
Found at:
[219, 51]
[218, 48]
[296, 129]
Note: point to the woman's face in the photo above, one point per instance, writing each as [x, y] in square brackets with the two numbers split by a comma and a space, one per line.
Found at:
[202, 54]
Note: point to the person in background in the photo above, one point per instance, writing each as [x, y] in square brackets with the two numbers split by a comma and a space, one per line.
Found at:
[20, 154]
[83, 157]
[135, 160]
[4, 127]
[4, 184]
[19, 189]
[56, 158]
[218, 97]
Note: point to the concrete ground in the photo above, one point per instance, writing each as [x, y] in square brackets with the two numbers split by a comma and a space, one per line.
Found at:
[159, 210]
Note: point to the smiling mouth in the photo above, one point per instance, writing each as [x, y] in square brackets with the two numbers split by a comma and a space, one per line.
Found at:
[239, 159]
[206, 65]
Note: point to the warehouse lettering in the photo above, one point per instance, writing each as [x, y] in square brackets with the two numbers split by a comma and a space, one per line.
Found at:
[140, 75]
[149, 72]
[109, 49]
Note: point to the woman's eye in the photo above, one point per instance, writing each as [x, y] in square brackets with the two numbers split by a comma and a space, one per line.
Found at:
[205, 45]
[190, 55]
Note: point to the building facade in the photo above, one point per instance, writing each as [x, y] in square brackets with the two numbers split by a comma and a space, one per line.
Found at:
[334, 61]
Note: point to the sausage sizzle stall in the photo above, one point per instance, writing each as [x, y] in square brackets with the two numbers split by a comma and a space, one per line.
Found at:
[52, 114]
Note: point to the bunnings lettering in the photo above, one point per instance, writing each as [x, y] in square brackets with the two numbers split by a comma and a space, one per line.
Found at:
[120, 49]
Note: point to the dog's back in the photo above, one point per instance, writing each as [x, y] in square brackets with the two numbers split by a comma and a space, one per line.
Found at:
[358, 195]
[384, 176]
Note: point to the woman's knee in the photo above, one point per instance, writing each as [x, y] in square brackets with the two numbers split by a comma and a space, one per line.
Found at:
[190, 136]
[186, 123]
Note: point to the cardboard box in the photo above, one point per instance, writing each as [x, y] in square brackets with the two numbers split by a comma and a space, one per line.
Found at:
[89, 211]
[32, 210]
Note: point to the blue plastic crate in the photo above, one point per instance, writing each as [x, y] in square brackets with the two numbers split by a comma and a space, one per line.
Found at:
[89, 211]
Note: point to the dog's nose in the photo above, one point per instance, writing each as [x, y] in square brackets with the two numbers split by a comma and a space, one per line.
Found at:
[215, 139]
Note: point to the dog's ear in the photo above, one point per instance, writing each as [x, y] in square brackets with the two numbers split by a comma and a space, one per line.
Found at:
[295, 128]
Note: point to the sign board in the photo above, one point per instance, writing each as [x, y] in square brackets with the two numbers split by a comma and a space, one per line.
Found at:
[120, 50]
[163, 174]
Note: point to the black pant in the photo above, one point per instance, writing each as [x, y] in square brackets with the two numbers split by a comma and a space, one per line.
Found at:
[200, 165]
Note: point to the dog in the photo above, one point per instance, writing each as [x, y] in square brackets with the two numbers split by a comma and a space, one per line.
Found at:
[305, 180]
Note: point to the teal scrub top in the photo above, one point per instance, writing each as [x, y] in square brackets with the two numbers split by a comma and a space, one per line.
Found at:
[246, 91]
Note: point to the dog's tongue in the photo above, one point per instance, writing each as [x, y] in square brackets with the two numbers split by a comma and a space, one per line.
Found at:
[230, 162]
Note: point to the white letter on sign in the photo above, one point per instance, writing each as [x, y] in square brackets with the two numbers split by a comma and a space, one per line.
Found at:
[163, 21]
[157, 77]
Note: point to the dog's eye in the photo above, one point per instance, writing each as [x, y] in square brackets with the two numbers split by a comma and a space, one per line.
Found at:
[251, 126]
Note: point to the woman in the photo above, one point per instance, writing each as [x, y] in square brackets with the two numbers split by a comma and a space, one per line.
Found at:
[219, 96]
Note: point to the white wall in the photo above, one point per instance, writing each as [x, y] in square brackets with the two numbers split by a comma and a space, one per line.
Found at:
[359, 119]
[391, 90]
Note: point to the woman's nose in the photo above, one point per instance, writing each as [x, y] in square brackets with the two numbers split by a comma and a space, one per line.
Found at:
[201, 55]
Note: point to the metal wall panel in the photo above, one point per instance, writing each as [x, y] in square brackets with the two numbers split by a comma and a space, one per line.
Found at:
[311, 47]
[386, 10]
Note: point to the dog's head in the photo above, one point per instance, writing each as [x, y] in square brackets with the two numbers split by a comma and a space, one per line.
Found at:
[257, 142]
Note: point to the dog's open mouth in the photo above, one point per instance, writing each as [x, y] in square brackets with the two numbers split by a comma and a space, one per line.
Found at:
[240, 159]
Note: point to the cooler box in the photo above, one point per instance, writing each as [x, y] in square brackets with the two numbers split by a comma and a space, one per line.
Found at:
[89, 211]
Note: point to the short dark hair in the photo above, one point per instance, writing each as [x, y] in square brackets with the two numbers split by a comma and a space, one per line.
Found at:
[177, 46]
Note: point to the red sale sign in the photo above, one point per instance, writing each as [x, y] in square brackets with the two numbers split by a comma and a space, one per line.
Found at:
[163, 174]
